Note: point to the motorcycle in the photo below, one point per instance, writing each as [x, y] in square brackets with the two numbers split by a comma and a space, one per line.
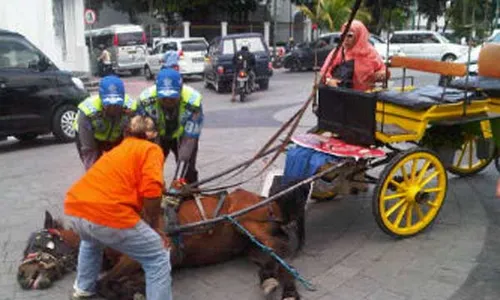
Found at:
[243, 84]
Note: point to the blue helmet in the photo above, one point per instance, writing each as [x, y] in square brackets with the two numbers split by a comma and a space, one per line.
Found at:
[168, 84]
[170, 59]
[112, 90]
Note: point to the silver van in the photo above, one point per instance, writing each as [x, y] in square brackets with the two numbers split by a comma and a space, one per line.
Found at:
[126, 43]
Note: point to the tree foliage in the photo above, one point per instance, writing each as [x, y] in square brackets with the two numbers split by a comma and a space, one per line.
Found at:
[332, 14]
[466, 15]
[432, 9]
[382, 10]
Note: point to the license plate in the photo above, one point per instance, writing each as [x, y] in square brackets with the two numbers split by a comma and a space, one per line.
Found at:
[132, 52]
[198, 59]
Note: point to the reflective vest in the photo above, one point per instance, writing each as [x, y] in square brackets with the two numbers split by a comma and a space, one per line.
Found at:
[189, 104]
[105, 129]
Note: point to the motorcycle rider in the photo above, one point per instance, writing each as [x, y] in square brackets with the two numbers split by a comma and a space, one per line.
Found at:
[243, 60]
[104, 61]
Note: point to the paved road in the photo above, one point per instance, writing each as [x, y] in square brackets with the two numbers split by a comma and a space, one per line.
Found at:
[346, 255]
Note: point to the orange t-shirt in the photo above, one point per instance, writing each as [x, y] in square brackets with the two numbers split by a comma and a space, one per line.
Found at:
[111, 193]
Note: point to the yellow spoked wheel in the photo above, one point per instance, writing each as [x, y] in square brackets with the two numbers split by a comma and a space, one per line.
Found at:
[410, 193]
[467, 161]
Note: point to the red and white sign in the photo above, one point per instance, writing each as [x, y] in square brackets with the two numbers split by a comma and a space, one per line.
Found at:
[89, 16]
[333, 146]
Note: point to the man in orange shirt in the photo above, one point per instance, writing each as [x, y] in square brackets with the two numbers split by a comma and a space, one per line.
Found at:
[105, 206]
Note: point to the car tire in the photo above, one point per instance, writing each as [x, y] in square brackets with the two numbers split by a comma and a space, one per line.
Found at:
[62, 123]
[26, 137]
[206, 84]
[218, 86]
[264, 84]
[148, 74]
[449, 57]
[296, 65]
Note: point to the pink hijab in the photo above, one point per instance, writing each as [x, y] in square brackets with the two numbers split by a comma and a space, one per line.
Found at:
[367, 61]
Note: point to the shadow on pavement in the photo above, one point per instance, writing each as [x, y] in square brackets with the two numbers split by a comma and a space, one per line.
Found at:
[11, 145]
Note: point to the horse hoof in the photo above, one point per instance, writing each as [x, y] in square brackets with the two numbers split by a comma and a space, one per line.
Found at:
[138, 296]
[269, 285]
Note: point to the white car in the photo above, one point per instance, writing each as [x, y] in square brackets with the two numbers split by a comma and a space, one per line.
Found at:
[381, 47]
[191, 56]
[378, 43]
[427, 44]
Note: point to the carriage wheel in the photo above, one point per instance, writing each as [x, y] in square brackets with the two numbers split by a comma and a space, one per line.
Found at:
[466, 162]
[410, 193]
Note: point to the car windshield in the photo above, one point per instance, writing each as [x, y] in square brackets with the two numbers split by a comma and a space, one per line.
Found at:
[443, 38]
[130, 38]
[255, 44]
[193, 46]
[495, 38]
[376, 39]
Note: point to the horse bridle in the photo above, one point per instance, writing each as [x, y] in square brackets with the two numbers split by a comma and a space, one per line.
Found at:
[45, 252]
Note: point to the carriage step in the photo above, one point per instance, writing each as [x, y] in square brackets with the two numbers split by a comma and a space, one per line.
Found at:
[393, 129]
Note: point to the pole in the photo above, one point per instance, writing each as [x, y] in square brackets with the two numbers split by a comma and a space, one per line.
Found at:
[275, 14]
[290, 20]
[90, 41]
[497, 11]
[414, 14]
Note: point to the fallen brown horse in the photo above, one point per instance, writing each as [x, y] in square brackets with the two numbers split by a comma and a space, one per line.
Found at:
[52, 252]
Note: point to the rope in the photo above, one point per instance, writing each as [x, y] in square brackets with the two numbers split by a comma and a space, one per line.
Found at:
[191, 226]
[308, 285]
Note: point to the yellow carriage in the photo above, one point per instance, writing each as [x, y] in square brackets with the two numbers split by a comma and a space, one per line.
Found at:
[425, 132]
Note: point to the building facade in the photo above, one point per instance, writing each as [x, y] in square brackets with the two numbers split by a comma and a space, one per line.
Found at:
[56, 27]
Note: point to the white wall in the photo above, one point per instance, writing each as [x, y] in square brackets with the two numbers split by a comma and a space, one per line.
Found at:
[34, 20]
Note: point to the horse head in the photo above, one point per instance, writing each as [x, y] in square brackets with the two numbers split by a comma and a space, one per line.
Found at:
[50, 253]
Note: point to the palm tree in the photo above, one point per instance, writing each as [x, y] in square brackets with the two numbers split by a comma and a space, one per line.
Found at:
[332, 14]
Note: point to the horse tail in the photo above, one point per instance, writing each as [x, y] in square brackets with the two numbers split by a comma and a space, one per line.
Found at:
[292, 206]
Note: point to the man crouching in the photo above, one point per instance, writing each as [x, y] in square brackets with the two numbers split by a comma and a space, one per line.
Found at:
[105, 205]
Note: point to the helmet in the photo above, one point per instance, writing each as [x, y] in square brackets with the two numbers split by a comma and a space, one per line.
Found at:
[245, 45]
[168, 83]
[112, 90]
[170, 59]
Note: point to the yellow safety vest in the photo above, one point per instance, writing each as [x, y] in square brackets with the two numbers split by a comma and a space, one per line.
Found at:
[104, 128]
[150, 106]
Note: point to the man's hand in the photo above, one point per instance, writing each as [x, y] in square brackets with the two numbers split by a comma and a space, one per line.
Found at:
[333, 82]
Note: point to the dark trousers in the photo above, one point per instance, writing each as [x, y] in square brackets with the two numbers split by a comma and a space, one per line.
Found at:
[173, 145]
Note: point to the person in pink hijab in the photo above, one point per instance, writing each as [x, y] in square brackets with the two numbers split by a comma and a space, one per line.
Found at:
[356, 50]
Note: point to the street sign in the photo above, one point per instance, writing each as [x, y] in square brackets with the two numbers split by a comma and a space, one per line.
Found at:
[90, 16]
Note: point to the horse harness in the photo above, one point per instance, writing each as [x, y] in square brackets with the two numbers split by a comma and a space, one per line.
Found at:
[42, 250]
[172, 204]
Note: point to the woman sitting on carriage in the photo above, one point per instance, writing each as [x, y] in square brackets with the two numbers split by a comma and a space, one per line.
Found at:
[357, 65]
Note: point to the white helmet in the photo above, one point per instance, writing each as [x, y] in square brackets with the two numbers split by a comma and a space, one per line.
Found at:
[245, 44]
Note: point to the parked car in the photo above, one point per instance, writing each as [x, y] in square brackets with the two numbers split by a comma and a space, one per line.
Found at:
[427, 44]
[126, 44]
[192, 53]
[219, 70]
[303, 55]
[35, 96]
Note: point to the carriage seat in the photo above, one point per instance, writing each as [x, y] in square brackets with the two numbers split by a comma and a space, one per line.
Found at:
[490, 86]
[422, 98]
[488, 79]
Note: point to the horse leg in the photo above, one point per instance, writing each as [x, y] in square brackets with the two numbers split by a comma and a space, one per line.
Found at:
[288, 283]
[110, 285]
[268, 272]
[269, 267]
